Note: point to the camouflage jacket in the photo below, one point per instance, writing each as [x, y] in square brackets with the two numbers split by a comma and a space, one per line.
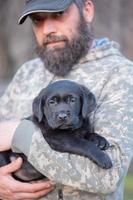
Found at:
[109, 75]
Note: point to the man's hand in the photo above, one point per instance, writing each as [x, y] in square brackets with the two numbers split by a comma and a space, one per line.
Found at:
[10, 189]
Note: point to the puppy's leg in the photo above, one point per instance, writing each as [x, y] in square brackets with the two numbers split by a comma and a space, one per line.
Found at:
[68, 143]
[26, 173]
[98, 140]
[4, 158]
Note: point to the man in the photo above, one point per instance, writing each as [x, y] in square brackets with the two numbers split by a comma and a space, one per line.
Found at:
[68, 51]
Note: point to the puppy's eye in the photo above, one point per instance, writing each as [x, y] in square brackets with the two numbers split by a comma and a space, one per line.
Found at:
[71, 99]
[52, 101]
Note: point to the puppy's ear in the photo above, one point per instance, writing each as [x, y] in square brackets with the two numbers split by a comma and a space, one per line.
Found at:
[88, 102]
[37, 106]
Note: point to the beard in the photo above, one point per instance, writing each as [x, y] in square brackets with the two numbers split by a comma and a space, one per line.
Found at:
[60, 61]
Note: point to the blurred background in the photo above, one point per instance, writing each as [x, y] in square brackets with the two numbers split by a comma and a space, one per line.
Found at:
[113, 19]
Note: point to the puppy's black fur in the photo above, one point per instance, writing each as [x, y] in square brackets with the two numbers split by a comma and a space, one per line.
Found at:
[62, 110]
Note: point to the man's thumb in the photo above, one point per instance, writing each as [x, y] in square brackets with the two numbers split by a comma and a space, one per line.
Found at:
[12, 167]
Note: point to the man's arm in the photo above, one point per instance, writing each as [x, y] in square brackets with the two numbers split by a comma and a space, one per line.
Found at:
[7, 129]
[9, 187]
[113, 120]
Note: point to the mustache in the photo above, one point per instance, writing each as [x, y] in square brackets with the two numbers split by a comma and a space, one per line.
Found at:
[54, 38]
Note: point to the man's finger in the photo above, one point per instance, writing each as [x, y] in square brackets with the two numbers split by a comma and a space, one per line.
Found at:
[32, 196]
[31, 187]
[12, 167]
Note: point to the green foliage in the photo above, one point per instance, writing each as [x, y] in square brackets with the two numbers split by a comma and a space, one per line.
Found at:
[129, 187]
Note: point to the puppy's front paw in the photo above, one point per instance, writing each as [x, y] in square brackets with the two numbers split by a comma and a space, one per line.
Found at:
[103, 144]
[104, 161]
[99, 141]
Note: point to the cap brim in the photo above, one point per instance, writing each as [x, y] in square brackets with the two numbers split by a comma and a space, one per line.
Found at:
[35, 6]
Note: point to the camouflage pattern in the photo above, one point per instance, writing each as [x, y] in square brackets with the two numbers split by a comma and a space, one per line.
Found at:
[108, 74]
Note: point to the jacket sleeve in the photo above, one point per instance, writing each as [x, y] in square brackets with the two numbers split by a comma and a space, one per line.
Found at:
[12, 95]
[7, 101]
[113, 120]
[14, 104]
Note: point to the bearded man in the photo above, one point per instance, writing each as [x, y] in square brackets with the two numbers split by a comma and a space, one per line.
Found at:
[67, 50]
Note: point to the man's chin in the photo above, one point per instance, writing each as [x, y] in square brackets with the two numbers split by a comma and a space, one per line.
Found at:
[57, 63]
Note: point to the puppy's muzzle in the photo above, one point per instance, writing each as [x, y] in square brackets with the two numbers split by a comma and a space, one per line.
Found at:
[63, 116]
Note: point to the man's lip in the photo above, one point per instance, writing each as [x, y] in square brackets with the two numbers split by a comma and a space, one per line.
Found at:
[54, 42]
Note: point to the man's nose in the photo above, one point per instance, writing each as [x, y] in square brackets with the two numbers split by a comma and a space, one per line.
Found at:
[49, 26]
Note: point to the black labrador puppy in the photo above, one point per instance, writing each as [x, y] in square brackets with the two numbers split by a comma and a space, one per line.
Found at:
[62, 110]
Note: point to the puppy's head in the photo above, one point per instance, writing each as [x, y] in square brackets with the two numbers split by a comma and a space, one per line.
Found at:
[64, 104]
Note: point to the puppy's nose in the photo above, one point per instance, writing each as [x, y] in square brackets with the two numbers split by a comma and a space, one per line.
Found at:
[62, 116]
